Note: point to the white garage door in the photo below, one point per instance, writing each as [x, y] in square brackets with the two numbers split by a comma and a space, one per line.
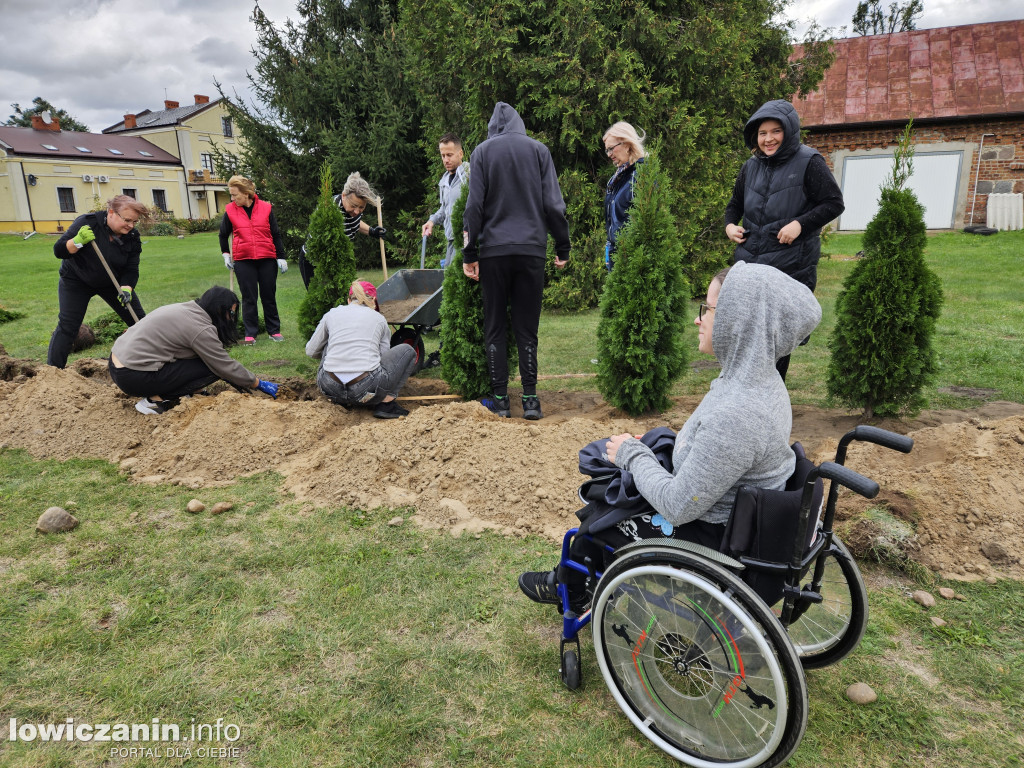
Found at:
[935, 181]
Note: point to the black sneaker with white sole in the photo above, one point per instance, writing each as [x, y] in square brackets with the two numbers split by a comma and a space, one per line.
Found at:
[531, 408]
[153, 407]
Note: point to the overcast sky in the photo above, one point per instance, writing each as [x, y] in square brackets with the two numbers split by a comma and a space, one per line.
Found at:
[101, 59]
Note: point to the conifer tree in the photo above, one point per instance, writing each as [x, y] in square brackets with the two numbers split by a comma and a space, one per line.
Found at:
[330, 252]
[463, 361]
[882, 353]
[640, 338]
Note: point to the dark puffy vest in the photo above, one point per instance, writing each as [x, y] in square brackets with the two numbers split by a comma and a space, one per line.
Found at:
[773, 196]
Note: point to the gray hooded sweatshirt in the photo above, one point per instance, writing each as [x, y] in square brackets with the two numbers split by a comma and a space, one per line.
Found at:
[739, 434]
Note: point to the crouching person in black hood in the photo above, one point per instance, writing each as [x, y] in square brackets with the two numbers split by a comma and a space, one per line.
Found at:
[178, 349]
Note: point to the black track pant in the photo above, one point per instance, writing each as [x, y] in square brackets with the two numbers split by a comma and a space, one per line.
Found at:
[258, 275]
[173, 380]
[516, 283]
[73, 296]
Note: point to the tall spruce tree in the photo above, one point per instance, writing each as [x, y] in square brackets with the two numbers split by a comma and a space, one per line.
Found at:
[330, 252]
[882, 353]
[640, 338]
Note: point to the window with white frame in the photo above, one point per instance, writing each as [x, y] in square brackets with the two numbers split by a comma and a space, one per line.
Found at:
[226, 124]
[207, 161]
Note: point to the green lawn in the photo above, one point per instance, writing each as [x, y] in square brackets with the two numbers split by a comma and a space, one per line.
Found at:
[331, 638]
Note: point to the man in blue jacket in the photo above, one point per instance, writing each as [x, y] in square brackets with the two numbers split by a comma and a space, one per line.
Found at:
[514, 202]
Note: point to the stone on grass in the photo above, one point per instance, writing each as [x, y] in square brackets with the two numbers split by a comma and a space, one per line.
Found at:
[947, 593]
[56, 520]
[195, 506]
[938, 622]
[395, 521]
[861, 693]
[923, 598]
[221, 507]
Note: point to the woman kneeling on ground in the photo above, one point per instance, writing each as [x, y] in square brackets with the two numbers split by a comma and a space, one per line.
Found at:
[358, 365]
[738, 435]
[178, 349]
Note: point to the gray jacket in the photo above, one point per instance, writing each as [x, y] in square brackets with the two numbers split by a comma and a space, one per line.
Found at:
[449, 194]
[740, 432]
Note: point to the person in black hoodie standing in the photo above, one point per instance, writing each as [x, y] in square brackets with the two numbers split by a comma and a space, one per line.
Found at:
[83, 276]
[784, 195]
[514, 202]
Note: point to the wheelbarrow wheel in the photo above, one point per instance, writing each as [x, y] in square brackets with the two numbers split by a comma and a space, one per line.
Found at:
[411, 337]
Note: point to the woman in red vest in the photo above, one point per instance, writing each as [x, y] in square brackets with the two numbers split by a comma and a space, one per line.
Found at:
[256, 257]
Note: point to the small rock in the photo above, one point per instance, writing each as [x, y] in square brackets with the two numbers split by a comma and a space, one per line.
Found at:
[994, 551]
[946, 593]
[923, 598]
[988, 580]
[182, 237]
[195, 506]
[861, 693]
[396, 521]
[56, 520]
[541, 493]
[534, 431]
[220, 507]
[938, 622]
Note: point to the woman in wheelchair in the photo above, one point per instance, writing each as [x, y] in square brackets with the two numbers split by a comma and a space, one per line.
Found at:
[738, 435]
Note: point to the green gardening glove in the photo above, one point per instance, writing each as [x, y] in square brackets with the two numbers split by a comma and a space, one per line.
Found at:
[84, 237]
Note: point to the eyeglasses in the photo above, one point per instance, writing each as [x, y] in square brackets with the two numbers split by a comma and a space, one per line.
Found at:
[120, 215]
[608, 150]
[704, 309]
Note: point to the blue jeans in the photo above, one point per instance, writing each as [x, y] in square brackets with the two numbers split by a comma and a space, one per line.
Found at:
[388, 378]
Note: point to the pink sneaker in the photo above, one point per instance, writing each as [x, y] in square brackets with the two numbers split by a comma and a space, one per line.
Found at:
[249, 341]
[276, 337]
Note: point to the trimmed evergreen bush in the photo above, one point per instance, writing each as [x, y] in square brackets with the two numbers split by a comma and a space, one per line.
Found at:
[330, 252]
[640, 339]
[882, 353]
[577, 287]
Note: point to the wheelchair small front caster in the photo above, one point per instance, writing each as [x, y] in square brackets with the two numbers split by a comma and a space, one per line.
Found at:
[570, 670]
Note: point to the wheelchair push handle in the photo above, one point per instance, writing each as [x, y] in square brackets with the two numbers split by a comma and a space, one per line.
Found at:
[855, 481]
[883, 437]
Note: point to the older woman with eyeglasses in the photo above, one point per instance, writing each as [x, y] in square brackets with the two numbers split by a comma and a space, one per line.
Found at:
[625, 148]
[180, 348]
[82, 274]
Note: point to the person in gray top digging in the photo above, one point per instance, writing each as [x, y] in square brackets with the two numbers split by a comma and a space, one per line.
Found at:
[738, 435]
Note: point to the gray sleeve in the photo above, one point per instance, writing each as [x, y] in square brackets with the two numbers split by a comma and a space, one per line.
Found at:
[718, 455]
[317, 342]
[209, 349]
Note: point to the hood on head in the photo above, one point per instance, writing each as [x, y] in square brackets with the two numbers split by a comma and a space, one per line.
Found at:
[761, 314]
[505, 119]
[786, 114]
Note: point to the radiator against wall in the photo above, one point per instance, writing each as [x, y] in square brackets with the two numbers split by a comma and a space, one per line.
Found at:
[1005, 211]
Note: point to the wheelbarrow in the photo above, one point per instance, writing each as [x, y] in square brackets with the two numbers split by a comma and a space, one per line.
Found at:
[410, 300]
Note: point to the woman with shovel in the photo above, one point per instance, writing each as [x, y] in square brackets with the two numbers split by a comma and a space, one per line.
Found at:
[99, 257]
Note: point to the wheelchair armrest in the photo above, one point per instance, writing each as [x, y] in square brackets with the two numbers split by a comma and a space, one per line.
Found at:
[855, 481]
[882, 437]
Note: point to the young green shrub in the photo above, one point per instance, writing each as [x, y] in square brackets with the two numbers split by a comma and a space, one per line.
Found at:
[463, 360]
[640, 338]
[330, 252]
[8, 315]
[882, 353]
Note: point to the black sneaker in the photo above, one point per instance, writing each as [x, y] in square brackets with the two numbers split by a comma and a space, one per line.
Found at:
[540, 586]
[498, 404]
[531, 408]
[389, 410]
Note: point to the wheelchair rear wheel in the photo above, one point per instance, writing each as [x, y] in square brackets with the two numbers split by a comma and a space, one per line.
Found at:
[828, 632]
[697, 661]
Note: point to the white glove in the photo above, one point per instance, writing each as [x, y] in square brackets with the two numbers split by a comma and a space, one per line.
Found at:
[282, 264]
[227, 261]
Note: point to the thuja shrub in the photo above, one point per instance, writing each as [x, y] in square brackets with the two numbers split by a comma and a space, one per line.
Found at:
[330, 252]
[463, 360]
[640, 337]
[882, 352]
[577, 287]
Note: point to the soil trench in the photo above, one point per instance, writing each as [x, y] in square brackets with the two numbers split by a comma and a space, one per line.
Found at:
[464, 469]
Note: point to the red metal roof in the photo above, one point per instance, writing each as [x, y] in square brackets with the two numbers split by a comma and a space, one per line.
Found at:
[950, 72]
[29, 142]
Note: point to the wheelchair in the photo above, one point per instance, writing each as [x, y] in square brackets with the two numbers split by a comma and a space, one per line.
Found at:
[686, 637]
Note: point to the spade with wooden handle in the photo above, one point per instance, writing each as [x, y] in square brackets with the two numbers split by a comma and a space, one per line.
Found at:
[110, 272]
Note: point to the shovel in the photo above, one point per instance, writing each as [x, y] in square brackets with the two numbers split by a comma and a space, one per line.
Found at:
[380, 223]
[423, 252]
[110, 272]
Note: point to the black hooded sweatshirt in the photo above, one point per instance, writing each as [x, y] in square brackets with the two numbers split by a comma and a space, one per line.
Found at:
[770, 192]
[514, 197]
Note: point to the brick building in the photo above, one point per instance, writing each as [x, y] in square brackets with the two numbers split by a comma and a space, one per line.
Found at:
[963, 87]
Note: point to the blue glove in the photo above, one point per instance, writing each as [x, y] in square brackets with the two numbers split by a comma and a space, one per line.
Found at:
[282, 265]
[660, 522]
[269, 387]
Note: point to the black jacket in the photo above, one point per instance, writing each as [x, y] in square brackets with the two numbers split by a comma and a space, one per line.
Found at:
[618, 199]
[794, 183]
[122, 253]
[514, 197]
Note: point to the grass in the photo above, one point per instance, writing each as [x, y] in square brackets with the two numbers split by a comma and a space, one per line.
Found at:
[978, 337]
[332, 638]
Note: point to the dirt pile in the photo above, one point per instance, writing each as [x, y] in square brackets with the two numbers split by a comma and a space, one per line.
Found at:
[464, 469]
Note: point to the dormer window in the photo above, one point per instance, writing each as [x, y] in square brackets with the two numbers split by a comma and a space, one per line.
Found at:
[84, 149]
[50, 147]
[113, 151]
[144, 153]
